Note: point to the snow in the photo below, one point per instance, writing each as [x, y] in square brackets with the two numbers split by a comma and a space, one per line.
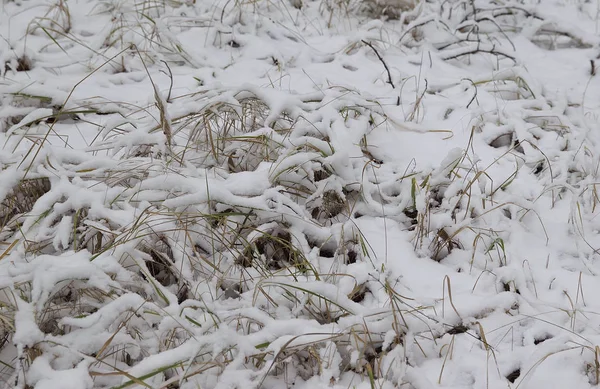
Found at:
[299, 193]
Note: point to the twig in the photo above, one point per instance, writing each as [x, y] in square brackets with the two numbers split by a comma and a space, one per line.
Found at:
[474, 95]
[382, 61]
[487, 18]
[170, 78]
[480, 50]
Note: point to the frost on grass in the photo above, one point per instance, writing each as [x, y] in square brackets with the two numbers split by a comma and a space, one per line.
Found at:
[302, 193]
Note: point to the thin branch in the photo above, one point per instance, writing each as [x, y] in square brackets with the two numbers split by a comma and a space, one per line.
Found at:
[382, 61]
[476, 50]
[474, 95]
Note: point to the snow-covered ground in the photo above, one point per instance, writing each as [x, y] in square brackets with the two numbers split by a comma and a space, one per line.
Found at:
[241, 194]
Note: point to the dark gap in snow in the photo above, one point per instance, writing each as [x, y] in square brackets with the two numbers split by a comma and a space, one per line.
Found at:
[540, 339]
[512, 377]
[21, 64]
[503, 140]
[327, 252]
[458, 329]
[351, 257]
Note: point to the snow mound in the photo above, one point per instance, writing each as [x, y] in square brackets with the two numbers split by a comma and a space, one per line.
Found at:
[299, 193]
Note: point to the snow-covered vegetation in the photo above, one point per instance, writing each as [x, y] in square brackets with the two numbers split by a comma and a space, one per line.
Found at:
[241, 194]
